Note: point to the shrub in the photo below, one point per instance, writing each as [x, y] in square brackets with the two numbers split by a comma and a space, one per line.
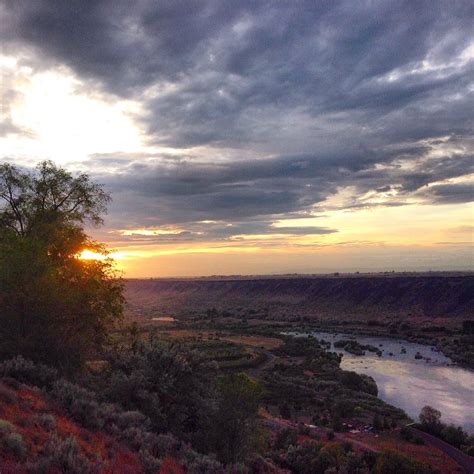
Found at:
[14, 443]
[304, 459]
[23, 421]
[7, 395]
[285, 438]
[407, 435]
[5, 427]
[63, 455]
[48, 422]
[79, 402]
[130, 419]
[332, 455]
[148, 461]
[173, 390]
[26, 371]
[84, 406]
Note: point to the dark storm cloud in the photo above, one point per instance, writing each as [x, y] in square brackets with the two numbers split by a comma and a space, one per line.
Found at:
[256, 191]
[451, 193]
[376, 96]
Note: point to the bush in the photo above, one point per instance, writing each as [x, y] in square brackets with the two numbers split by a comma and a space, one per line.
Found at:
[407, 434]
[148, 461]
[10, 440]
[304, 459]
[5, 427]
[136, 382]
[14, 443]
[285, 438]
[28, 372]
[332, 455]
[79, 402]
[63, 455]
[7, 395]
[85, 407]
[46, 421]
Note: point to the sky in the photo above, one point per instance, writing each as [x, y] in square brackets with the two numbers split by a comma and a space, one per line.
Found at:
[253, 137]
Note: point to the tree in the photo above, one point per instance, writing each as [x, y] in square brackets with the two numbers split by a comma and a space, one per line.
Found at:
[377, 422]
[54, 307]
[454, 435]
[235, 421]
[430, 418]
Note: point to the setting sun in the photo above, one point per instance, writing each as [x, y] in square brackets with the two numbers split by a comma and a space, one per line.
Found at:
[90, 255]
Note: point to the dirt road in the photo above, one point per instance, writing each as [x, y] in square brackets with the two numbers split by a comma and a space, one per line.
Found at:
[269, 359]
[465, 461]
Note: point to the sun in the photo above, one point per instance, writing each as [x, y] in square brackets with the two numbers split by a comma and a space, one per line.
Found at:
[90, 255]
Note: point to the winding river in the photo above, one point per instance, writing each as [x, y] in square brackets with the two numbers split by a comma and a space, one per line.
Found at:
[410, 383]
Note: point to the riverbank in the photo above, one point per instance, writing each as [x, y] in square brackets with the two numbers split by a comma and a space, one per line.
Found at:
[408, 375]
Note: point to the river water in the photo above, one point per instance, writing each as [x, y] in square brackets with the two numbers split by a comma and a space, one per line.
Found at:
[410, 383]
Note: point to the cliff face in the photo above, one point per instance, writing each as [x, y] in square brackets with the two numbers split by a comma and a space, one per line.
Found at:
[373, 296]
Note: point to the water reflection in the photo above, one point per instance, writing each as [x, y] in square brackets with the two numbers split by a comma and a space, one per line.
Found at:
[410, 383]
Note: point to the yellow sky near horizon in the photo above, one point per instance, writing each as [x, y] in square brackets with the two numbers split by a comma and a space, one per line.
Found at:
[410, 237]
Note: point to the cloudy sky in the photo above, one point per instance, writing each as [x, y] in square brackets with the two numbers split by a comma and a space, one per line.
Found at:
[253, 137]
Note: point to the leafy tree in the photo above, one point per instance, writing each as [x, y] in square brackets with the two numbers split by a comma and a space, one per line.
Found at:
[455, 435]
[54, 307]
[430, 418]
[235, 420]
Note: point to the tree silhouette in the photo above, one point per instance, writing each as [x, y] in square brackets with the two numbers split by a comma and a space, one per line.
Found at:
[54, 307]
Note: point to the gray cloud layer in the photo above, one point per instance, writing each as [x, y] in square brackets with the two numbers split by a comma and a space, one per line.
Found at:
[293, 101]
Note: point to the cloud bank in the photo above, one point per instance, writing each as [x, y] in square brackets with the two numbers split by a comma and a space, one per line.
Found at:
[255, 112]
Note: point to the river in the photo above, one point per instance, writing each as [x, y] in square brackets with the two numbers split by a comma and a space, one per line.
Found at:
[410, 383]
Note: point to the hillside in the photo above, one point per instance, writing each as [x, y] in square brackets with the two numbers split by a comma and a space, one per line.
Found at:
[65, 428]
[32, 427]
[415, 296]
